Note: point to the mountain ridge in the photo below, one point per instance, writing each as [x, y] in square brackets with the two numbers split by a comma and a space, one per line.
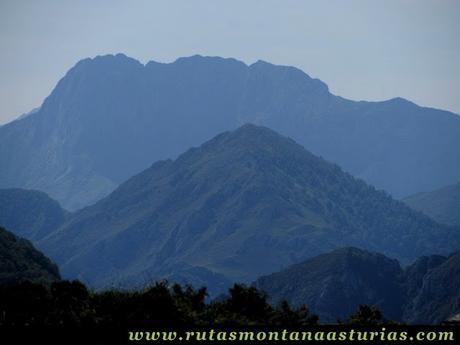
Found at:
[111, 116]
[242, 204]
[443, 205]
[333, 284]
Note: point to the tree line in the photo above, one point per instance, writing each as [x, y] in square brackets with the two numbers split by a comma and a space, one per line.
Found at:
[71, 303]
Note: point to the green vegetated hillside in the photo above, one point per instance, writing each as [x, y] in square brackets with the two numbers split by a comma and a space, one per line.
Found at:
[110, 117]
[30, 214]
[333, 284]
[20, 261]
[443, 205]
[246, 203]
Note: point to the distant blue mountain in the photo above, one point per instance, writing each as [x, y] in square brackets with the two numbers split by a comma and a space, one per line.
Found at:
[30, 214]
[443, 205]
[110, 117]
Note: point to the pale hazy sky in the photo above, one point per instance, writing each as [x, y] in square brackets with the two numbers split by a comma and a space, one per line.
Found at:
[371, 50]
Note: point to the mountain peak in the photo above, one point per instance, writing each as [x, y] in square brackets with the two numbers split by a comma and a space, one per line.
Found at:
[351, 251]
[245, 203]
[197, 58]
[111, 117]
[258, 144]
[108, 62]
[291, 73]
[335, 283]
[252, 131]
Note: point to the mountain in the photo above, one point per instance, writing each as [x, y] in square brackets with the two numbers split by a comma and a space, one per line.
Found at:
[443, 205]
[33, 111]
[20, 261]
[30, 214]
[110, 117]
[246, 203]
[438, 296]
[334, 284]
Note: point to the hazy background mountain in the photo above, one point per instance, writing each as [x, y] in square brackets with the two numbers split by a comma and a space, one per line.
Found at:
[333, 284]
[443, 205]
[30, 214]
[20, 261]
[245, 203]
[111, 116]
[33, 111]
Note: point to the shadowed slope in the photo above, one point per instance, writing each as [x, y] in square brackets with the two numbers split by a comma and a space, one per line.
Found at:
[20, 261]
